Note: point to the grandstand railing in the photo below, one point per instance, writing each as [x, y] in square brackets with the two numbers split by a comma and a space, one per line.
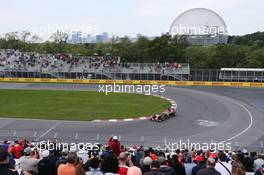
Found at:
[180, 75]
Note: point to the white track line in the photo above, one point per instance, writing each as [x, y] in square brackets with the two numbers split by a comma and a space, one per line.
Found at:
[245, 130]
[238, 104]
[50, 129]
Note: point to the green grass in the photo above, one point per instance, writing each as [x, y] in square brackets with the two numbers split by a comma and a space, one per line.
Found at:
[77, 105]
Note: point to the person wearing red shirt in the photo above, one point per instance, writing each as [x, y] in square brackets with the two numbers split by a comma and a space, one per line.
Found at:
[18, 150]
[152, 154]
[114, 145]
[124, 160]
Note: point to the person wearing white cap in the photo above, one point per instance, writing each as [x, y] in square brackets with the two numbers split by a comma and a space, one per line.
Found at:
[114, 145]
[45, 166]
[115, 138]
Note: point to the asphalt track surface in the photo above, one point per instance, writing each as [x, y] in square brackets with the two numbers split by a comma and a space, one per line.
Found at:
[205, 115]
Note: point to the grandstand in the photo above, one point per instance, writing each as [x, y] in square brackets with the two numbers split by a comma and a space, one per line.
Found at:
[34, 65]
[241, 74]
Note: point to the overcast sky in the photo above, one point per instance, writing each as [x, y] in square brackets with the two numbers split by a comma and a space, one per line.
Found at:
[123, 17]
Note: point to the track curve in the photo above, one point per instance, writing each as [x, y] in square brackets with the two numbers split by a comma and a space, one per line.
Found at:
[204, 115]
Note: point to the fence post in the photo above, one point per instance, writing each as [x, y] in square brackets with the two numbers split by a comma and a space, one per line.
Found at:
[209, 76]
[195, 75]
[202, 74]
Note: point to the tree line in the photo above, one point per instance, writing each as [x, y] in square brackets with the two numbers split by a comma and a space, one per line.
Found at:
[241, 51]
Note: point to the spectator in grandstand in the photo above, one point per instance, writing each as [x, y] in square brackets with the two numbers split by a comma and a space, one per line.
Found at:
[210, 168]
[70, 167]
[28, 163]
[46, 166]
[94, 167]
[238, 168]
[178, 167]
[222, 166]
[110, 165]
[155, 167]
[4, 164]
[114, 145]
[124, 160]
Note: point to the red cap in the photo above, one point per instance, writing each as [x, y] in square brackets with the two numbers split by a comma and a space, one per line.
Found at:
[199, 159]
[213, 155]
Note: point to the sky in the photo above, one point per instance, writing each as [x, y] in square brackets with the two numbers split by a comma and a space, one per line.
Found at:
[122, 17]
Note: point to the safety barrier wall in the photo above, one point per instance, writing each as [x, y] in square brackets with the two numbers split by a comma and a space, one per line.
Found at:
[175, 83]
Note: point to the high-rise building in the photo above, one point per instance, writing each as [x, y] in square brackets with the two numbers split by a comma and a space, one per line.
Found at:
[99, 38]
[76, 37]
[105, 36]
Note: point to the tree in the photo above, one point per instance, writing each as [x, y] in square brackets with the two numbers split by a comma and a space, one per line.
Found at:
[12, 40]
[24, 35]
[60, 39]
[36, 39]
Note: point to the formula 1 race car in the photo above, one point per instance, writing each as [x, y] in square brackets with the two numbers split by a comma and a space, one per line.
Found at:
[164, 116]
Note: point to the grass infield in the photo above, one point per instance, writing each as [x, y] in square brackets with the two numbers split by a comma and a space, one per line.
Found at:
[77, 105]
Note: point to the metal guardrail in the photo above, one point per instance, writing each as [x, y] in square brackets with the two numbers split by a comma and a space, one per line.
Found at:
[215, 75]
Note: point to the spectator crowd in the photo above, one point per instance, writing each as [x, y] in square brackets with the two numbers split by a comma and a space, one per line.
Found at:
[22, 157]
[14, 60]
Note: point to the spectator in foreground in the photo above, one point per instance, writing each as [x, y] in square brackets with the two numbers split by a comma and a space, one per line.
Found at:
[152, 154]
[134, 171]
[46, 166]
[164, 168]
[94, 167]
[4, 164]
[114, 145]
[28, 163]
[222, 166]
[210, 168]
[238, 168]
[155, 167]
[124, 159]
[61, 160]
[259, 162]
[178, 167]
[110, 165]
[260, 171]
[147, 161]
[70, 167]
[200, 165]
